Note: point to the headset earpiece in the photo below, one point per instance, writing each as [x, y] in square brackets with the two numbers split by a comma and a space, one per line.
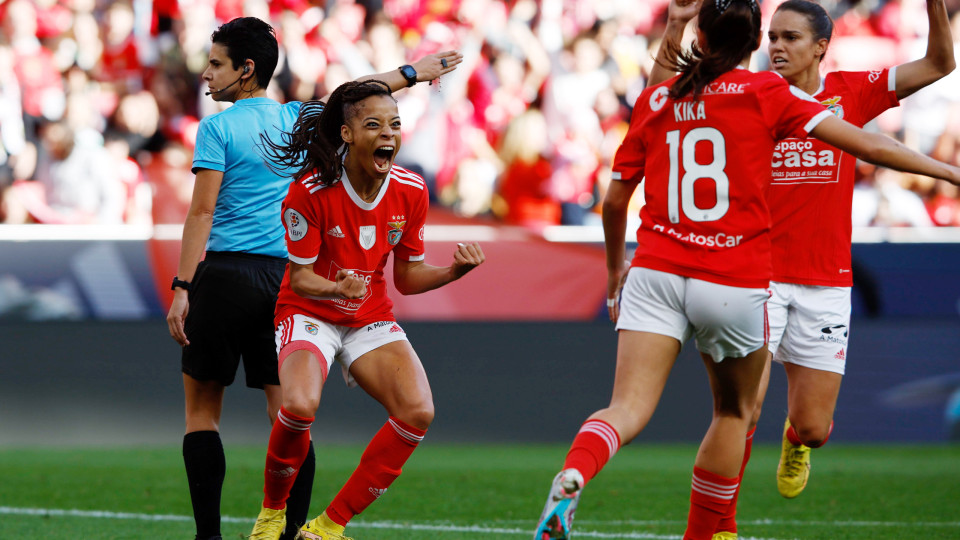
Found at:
[246, 69]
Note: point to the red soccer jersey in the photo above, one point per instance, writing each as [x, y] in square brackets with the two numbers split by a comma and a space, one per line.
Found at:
[707, 167]
[812, 188]
[333, 228]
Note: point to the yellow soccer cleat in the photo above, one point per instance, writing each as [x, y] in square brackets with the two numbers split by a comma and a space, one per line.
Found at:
[724, 535]
[269, 525]
[794, 467]
[316, 529]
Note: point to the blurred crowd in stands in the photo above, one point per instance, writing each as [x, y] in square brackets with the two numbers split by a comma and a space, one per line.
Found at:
[100, 100]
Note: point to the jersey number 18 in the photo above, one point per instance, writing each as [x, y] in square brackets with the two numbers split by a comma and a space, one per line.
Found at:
[680, 190]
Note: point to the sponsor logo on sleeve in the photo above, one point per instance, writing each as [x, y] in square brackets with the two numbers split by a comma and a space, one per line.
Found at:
[296, 225]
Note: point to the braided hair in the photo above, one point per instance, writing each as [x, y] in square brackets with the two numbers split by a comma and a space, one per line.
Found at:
[314, 146]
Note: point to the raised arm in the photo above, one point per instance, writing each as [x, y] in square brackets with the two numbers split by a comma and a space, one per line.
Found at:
[882, 150]
[939, 60]
[679, 13]
[428, 68]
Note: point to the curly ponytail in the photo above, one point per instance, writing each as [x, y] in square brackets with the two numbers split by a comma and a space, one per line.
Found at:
[314, 145]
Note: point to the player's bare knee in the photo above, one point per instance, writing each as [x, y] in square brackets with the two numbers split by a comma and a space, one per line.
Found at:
[301, 405]
[812, 436]
[419, 416]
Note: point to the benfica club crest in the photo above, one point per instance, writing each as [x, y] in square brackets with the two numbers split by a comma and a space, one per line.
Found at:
[395, 231]
[833, 105]
[368, 236]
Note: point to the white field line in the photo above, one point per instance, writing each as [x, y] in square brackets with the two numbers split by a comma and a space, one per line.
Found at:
[442, 527]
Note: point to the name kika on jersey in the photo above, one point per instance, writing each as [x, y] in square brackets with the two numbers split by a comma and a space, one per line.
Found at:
[714, 240]
[689, 110]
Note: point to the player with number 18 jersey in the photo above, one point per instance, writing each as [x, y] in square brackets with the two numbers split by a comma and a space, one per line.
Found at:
[333, 228]
[707, 167]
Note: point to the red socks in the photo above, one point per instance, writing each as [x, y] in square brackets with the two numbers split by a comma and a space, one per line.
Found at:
[592, 448]
[710, 497]
[379, 466]
[288, 447]
[728, 522]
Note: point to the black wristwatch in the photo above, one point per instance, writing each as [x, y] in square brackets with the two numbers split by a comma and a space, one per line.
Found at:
[177, 282]
[409, 74]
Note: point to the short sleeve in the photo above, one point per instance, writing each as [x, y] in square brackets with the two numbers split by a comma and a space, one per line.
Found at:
[411, 247]
[789, 111]
[211, 148]
[877, 91]
[629, 161]
[302, 230]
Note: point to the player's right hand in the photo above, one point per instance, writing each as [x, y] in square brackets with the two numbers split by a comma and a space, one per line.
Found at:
[682, 11]
[350, 285]
[615, 280]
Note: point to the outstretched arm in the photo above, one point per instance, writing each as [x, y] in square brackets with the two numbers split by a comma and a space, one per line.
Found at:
[939, 60]
[679, 13]
[428, 68]
[419, 277]
[882, 150]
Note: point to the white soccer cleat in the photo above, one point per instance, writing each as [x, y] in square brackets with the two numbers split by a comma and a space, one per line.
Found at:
[556, 521]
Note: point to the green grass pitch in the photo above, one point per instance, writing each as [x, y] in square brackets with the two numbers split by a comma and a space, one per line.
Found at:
[488, 492]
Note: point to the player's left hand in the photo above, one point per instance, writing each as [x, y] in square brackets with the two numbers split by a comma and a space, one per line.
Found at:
[433, 66]
[466, 258]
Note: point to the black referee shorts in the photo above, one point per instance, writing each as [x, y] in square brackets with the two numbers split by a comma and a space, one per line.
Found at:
[232, 301]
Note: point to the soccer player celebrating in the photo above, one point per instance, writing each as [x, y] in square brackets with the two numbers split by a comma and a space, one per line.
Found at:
[810, 208]
[223, 307]
[703, 142]
[810, 203]
[345, 213]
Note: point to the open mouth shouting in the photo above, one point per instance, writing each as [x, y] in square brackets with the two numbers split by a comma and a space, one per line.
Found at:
[383, 157]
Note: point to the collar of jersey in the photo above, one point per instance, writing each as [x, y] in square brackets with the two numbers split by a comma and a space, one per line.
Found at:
[253, 101]
[356, 198]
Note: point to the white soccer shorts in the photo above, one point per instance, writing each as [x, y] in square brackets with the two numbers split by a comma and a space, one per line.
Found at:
[331, 342]
[809, 325]
[728, 322]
